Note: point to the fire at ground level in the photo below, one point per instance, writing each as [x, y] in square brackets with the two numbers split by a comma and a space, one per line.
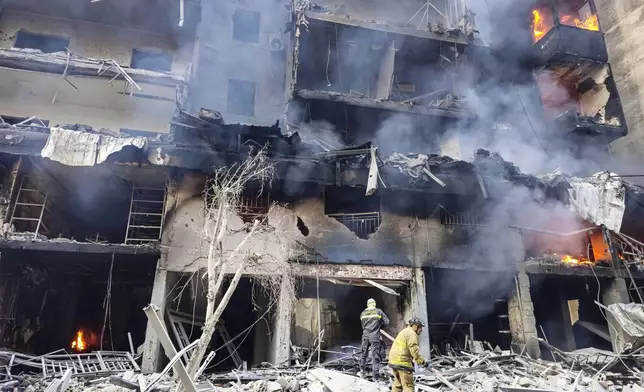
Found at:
[545, 329]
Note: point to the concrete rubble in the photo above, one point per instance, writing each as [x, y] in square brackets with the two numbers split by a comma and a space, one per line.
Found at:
[482, 370]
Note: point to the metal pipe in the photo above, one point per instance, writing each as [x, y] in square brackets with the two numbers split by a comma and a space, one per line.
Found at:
[181, 12]
[552, 232]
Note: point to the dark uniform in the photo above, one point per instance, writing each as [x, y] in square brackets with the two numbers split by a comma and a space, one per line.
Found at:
[372, 320]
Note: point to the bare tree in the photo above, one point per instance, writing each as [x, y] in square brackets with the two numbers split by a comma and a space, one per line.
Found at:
[222, 197]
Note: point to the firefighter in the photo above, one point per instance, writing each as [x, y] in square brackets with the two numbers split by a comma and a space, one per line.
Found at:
[372, 319]
[404, 352]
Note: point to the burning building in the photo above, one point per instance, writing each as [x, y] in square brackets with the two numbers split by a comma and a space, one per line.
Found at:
[114, 116]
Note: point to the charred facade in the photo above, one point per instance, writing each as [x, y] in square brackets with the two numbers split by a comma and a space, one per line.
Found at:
[384, 126]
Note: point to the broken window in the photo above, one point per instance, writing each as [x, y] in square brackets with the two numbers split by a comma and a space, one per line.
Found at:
[254, 205]
[44, 43]
[241, 97]
[246, 26]
[151, 60]
[350, 206]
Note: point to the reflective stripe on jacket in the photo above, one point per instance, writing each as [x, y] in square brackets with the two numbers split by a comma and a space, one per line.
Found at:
[372, 319]
[405, 350]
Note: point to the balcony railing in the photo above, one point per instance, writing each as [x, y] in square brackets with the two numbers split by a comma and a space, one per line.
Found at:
[362, 224]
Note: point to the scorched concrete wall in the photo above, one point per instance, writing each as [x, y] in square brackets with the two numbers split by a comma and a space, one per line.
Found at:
[400, 240]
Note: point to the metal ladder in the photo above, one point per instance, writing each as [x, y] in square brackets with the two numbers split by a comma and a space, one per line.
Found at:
[31, 207]
[145, 221]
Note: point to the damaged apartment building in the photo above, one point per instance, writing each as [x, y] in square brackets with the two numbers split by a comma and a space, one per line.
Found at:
[115, 113]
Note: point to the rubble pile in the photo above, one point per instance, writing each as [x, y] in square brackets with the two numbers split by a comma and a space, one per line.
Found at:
[481, 370]
[581, 370]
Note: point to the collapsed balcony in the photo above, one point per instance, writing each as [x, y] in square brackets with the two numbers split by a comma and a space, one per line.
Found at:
[372, 68]
[582, 100]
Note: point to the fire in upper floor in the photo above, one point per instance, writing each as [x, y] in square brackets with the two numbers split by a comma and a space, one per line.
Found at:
[576, 82]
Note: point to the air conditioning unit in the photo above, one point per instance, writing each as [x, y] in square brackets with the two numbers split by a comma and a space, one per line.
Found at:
[276, 42]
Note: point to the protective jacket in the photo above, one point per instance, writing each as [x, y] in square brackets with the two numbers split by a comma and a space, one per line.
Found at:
[372, 319]
[405, 350]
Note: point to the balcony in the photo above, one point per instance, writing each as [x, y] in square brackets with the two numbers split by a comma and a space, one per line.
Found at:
[567, 32]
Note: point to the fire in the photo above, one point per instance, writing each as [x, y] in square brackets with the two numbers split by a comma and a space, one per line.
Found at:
[542, 21]
[538, 28]
[567, 259]
[590, 23]
[79, 343]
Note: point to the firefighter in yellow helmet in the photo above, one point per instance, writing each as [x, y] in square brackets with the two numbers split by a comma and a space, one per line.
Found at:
[404, 352]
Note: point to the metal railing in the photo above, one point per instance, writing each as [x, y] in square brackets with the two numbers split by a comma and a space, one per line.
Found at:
[460, 219]
[362, 224]
[254, 206]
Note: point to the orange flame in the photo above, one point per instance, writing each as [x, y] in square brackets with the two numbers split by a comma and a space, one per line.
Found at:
[567, 259]
[542, 23]
[590, 23]
[79, 343]
[538, 29]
